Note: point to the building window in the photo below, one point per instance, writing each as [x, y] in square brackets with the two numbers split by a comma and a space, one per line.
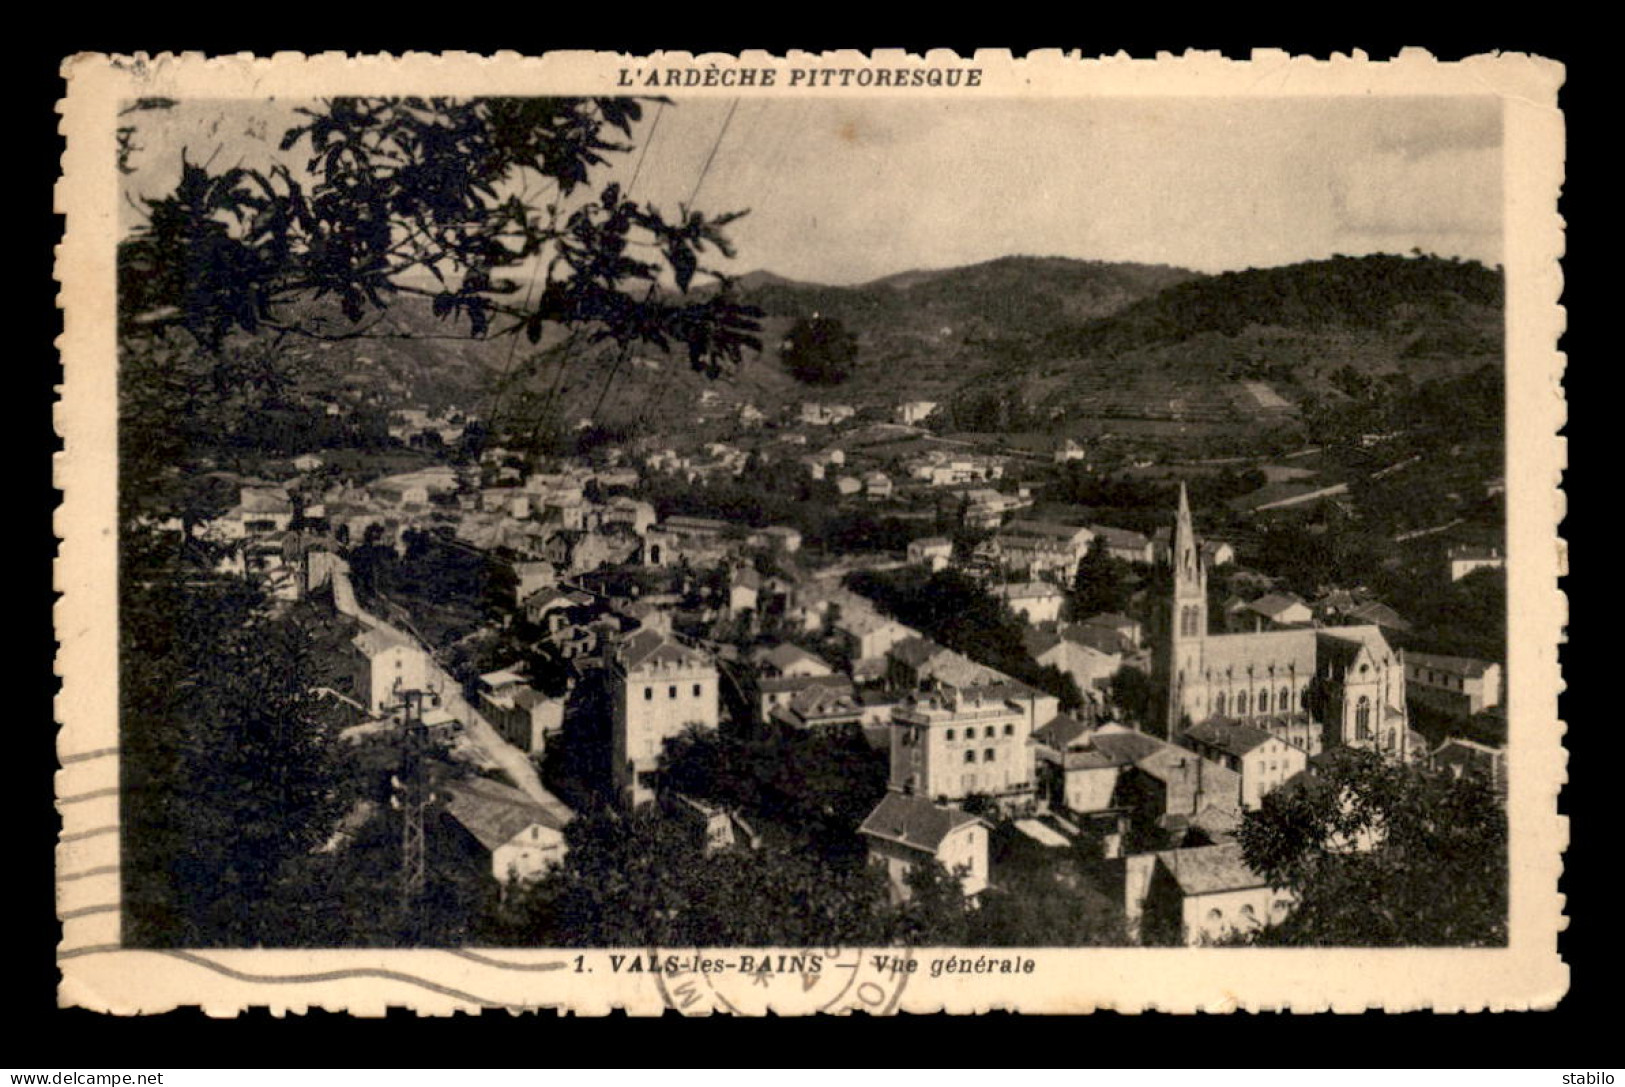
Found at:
[1241, 704]
[989, 732]
[970, 755]
[672, 690]
[696, 690]
[1263, 701]
[1283, 704]
[1009, 730]
[950, 734]
[1218, 704]
[648, 694]
[987, 756]
[1362, 719]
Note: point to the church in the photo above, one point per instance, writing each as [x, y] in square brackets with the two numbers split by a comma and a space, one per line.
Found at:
[1313, 687]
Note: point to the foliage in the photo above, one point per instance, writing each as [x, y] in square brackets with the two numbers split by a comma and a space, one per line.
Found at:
[1344, 292]
[398, 188]
[956, 611]
[778, 494]
[1468, 407]
[351, 895]
[819, 351]
[1133, 694]
[644, 880]
[1383, 855]
[817, 786]
[226, 771]
[1101, 584]
[1044, 897]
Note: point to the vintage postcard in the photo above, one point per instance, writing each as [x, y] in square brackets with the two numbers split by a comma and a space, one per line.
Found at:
[819, 533]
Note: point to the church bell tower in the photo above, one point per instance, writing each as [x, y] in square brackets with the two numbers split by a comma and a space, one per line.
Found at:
[1184, 621]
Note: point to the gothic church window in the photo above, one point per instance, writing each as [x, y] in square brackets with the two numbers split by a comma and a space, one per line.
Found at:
[1362, 718]
[1241, 704]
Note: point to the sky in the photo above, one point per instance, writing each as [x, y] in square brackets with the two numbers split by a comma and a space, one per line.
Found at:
[845, 190]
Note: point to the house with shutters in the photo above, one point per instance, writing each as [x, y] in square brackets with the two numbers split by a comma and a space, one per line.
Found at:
[1262, 760]
[904, 831]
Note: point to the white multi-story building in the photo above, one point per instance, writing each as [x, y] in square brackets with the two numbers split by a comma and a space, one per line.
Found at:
[661, 688]
[949, 745]
[391, 664]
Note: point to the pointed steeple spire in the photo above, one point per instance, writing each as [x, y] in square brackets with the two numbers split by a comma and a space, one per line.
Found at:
[1184, 542]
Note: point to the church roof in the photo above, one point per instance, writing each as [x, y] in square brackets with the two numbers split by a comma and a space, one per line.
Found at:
[1342, 644]
[1284, 650]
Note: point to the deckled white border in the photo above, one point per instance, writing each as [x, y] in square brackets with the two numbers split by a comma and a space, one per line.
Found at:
[1527, 974]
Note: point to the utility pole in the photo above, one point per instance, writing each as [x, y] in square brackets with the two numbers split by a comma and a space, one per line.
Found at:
[414, 799]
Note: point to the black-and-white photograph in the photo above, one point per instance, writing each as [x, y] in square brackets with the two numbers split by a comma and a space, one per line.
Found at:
[812, 522]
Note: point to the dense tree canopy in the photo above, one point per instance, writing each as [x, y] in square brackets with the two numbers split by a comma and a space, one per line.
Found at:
[820, 350]
[958, 612]
[644, 880]
[382, 197]
[1102, 583]
[1383, 855]
[227, 772]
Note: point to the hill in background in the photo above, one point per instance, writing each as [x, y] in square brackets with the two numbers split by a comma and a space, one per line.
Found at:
[1016, 343]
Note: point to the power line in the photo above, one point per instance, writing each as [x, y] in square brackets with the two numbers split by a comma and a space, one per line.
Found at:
[709, 159]
[693, 195]
[654, 126]
[507, 366]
